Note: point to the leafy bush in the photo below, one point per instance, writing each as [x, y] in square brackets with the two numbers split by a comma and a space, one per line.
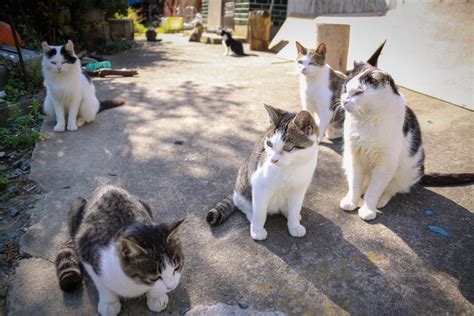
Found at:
[16, 87]
[114, 47]
[138, 27]
[23, 130]
[3, 177]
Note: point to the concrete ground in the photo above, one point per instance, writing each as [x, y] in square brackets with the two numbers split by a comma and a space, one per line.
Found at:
[189, 92]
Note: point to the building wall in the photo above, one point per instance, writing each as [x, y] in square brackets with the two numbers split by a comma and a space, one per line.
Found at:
[429, 46]
[314, 8]
[242, 8]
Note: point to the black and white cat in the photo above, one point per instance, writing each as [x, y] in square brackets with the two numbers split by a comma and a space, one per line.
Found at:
[321, 86]
[383, 149]
[276, 175]
[126, 254]
[69, 92]
[231, 44]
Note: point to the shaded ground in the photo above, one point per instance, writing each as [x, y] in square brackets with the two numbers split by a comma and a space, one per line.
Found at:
[191, 93]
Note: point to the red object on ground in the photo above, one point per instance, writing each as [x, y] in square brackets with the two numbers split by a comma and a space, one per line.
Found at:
[6, 35]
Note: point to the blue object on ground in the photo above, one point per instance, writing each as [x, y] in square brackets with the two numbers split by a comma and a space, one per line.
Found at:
[440, 230]
[428, 213]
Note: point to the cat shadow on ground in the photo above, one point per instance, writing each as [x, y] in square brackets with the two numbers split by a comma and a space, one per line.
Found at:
[332, 264]
[406, 216]
[334, 144]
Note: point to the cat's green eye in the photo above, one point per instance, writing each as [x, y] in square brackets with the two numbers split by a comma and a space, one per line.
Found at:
[155, 278]
[288, 147]
[269, 144]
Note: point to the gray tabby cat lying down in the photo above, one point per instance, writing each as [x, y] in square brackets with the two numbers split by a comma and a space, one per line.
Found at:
[126, 254]
[276, 175]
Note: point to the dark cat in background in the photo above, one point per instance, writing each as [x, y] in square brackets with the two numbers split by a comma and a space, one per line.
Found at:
[231, 44]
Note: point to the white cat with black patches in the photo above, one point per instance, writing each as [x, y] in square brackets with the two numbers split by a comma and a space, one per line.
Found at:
[321, 86]
[383, 149]
[69, 92]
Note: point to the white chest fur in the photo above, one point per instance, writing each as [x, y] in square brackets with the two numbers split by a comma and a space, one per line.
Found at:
[314, 90]
[281, 183]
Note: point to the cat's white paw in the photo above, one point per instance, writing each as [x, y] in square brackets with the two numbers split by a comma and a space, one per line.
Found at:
[297, 231]
[80, 122]
[367, 214]
[384, 199]
[59, 128]
[109, 308]
[347, 205]
[157, 304]
[72, 128]
[258, 234]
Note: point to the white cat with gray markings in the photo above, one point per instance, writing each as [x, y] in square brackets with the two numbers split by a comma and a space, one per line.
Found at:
[276, 175]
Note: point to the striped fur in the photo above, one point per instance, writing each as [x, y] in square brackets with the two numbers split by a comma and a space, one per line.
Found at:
[221, 211]
[68, 264]
[68, 267]
[447, 179]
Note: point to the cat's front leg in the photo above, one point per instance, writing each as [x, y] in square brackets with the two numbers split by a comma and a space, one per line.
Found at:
[355, 180]
[72, 115]
[324, 119]
[260, 200]
[156, 298]
[295, 203]
[60, 117]
[381, 176]
[109, 303]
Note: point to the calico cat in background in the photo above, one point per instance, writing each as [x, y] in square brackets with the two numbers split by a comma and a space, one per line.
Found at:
[69, 92]
[321, 86]
[231, 44]
[126, 254]
[383, 149]
[276, 175]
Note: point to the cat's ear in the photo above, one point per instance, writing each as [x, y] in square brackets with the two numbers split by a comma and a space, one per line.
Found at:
[378, 75]
[273, 113]
[69, 46]
[129, 248]
[304, 121]
[358, 63]
[174, 229]
[321, 49]
[300, 48]
[45, 47]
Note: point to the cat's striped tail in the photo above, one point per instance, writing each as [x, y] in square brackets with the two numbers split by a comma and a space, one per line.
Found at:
[446, 179]
[110, 104]
[221, 212]
[68, 267]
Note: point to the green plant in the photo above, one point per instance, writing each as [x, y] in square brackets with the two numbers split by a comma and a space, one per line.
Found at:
[114, 47]
[16, 87]
[3, 178]
[23, 129]
[138, 27]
